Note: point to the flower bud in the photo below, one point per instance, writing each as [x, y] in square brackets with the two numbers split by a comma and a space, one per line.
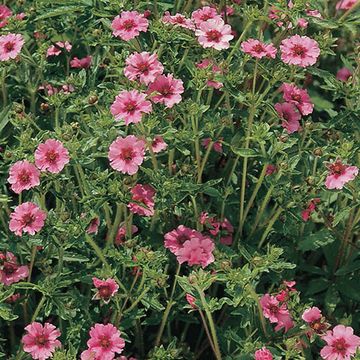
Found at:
[318, 152]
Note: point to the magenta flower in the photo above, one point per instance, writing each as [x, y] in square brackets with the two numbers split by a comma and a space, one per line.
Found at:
[299, 97]
[214, 33]
[10, 271]
[129, 24]
[127, 154]
[263, 354]
[340, 174]
[83, 63]
[178, 20]
[276, 312]
[51, 156]
[129, 106]
[217, 145]
[121, 233]
[10, 46]
[93, 226]
[105, 289]
[311, 207]
[258, 49]
[23, 176]
[143, 197]
[27, 218]
[41, 341]
[191, 300]
[5, 13]
[341, 343]
[312, 314]
[144, 67]
[299, 50]
[345, 4]
[289, 115]
[55, 50]
[204, 14]
[105, 341]
[175, 239]
[344, 74]
[158, 144]
[166, 90]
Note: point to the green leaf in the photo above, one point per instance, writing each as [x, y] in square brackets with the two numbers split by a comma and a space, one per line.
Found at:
[316, 240]
[6, 313]
[244, 152]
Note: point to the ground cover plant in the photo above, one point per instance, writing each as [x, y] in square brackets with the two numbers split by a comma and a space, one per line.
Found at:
[179, 179]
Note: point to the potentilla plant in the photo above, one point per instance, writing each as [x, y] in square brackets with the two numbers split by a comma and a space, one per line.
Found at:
[179, 180]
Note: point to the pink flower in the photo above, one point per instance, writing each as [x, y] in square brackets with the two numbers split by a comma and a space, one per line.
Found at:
[305, 214]
[271, 169]
[175, 239]
[167, 90]
[258, 49]
[299, 97]
[51, 156]
[105, 289]
[83, 63]
[196, 251]
[341, 343]
[27, 218]
[289, 115]
[129, 24]
[312, 314]
[23, 176]
[191, 300]
[340, 174]
[299, 50]
[214, 33]
[10, 46]
[303, 23]
[127, 154]
[10, 271]
[345, 4]
[105, 341]
[142, 194]
[144, 66]
[88, 355]
[129, 106]
[55, 50]
[313, 13]
[263, 354]
[217, 145]
[213, 69]
[41, 341]
[179, 20]
[158, 144]
[121, 233]
[227, 231]
[343, 74]
[5, 13]
[276, 313]
[93, 226]
[205, 13]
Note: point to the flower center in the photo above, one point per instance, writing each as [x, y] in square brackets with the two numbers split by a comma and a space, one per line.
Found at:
[41, 340]
[105, 342]
[51, 156]
[130, 106]
[9, 46]
[104, 292]
[340, 345]
[182, 238]
[9, 268]
[274, 309]
[24, 177]
[128, 24]
[28, 219]
[299, 50]
[296, 97]
[205, 17]
[213, 35]
[337, 168]
[180, 20]
[258, 48]
[127, 154]
[143, 67]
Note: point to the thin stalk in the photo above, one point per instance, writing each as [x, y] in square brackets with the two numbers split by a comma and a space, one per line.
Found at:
[38, 308]
[32, 261]
[207, 330]
[270, 225]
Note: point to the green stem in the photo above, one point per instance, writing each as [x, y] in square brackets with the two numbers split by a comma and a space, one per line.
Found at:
[269, 226]
[38, 308]
[3, 88]
[32, 261]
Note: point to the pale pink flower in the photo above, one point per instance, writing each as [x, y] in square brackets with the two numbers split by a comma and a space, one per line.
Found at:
[105, 341]
[48, 89]
[276, 312]
[158, 144]
[313, 13]
[340, 174]
[263, 354]
[303, 23]
[258, 49]
[129, 24]
[143, 197]
[191, 300]
[204, 14]
[41, 341]
[144, 67]
[312, 314]
[289, 115]
[27, 218]
[83, 63]
[67, 89]
[10, 271]
[23, 176]
[10, 46]
[341, 343]
[299, 50]
[5, 13]
[20, 16]
[344, 74]
[89, 355]
[228, 10]
[197, 251]
[127, 154]
[178, 20]
[166, 90]
[55, 50]
[299, 97]
[130, 106]
[121, 233]
[93, 226]
[214, 33]
[175, 239]
[51, 156]
[345, 4]
[105, 289]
